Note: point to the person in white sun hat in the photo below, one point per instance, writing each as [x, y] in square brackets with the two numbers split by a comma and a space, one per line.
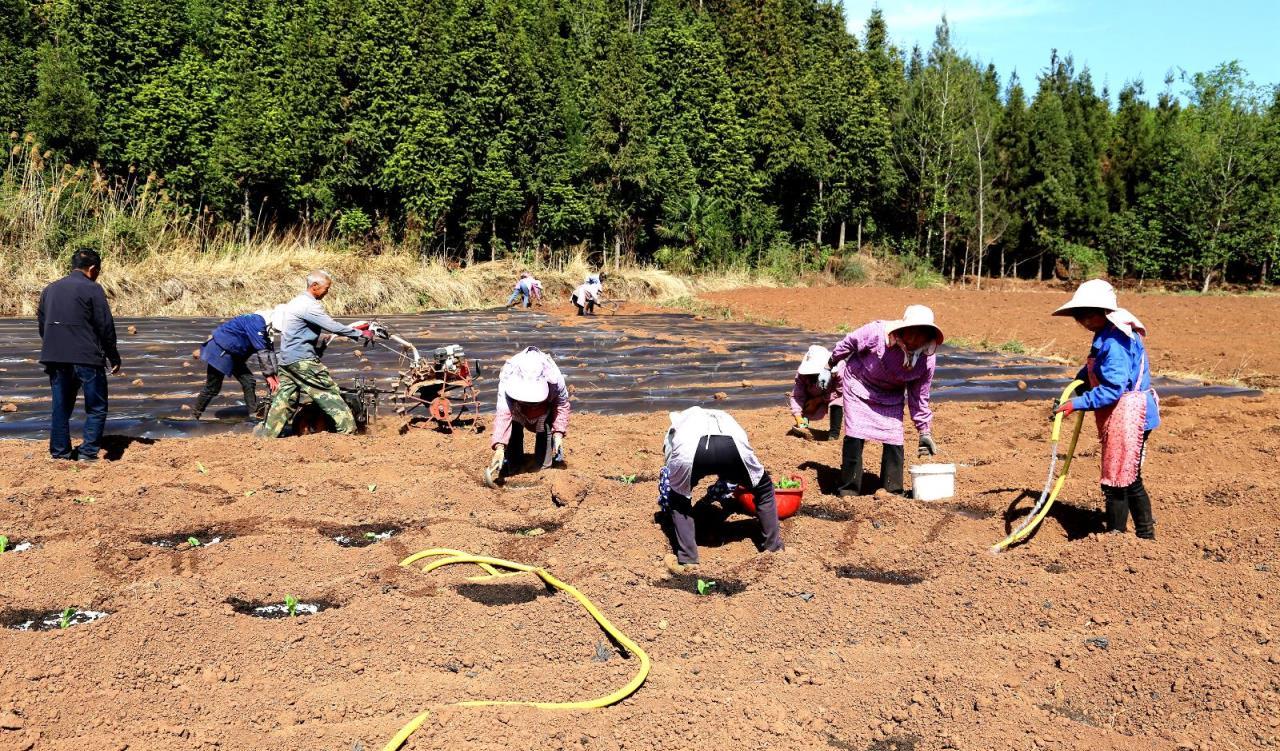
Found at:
[532, 395]
[1118, 374]
[887, 365]
[810, 400]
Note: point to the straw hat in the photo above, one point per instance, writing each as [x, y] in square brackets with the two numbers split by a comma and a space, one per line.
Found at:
[815, 360]
[1127, 322]
[916, 315]
[524, 377]
[1095, 293]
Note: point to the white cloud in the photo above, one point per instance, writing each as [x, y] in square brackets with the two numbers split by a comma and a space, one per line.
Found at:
[915, 20]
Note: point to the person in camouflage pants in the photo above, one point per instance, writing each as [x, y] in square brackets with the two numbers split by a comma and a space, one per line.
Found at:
[311, 379]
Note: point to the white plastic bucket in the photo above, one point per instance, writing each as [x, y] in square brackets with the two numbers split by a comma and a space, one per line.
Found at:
[933, 482]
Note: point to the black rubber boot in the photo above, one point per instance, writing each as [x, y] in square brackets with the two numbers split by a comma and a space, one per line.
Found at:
[837, 422]
[851, 467]
[1117, 508]
[1144, 523]
[891, 468]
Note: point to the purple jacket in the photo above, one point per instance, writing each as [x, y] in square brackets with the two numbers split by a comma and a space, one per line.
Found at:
[878, 383]
[806, 388]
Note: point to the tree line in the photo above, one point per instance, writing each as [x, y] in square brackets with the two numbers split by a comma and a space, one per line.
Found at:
[693, 133]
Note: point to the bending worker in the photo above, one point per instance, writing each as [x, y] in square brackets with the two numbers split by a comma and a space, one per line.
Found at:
[811, 400]
[885, 361]
[525, 291]
[304, 321]
[584, 298]
[226, 353]
[703, 442]
[532, 395]
[1120, 394]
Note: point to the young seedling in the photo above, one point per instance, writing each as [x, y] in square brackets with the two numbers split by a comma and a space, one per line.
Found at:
[536, 531]
[627, 479]
[373, 487]
[787, 484]
[86, 500]
[291, 605]
[200, 468]
[4, 543]
[193, 542]
[65, 620]
[705, 586]
[370, 535]
[248, 493]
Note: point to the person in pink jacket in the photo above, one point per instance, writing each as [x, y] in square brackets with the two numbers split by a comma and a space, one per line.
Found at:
[811, 401]
[532, 395]
[887, 364]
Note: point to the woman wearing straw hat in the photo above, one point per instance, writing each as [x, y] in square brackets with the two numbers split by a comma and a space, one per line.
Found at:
[887, 365]
[532, 395]
[1120, 394]
[810, 400]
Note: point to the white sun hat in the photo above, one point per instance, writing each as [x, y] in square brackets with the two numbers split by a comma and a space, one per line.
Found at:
[1127, 322]
[916, 315]
[524, 377]
[1095, 293]
[274, 317]
[815, 360]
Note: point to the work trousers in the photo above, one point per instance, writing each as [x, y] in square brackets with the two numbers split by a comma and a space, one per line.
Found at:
[515, 448]
[519, 296]
[587, 309]
[1133, 498]
[851, 468]
[718, 456]
[213, 386]
[65, 382]
[311, 378]
[836, 413]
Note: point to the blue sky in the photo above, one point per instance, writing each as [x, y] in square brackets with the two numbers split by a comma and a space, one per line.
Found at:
[1119, 40]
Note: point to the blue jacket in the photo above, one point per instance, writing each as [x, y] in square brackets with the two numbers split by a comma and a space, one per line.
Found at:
[233, 342]
[1117, 361]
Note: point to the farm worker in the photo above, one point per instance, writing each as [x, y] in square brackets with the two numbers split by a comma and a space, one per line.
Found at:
[304, 322]
[811, 400]
[584, 298]
[78, 342]
[596, 285]
[226, 353]
[1118, 374]
[532, 395]
[886, 363]
[703, 442]
[526, 290]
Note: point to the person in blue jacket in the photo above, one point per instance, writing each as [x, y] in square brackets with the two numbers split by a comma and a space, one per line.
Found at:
[227, 353]
[1118, 376]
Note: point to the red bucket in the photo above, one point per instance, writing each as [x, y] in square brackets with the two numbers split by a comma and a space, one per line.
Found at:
[788, 499]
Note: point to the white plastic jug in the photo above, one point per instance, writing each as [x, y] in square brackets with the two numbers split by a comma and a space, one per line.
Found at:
[933, 482]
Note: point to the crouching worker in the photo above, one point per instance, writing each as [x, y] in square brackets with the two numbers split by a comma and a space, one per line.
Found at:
[703, 442]
[304, 321]
[887, 363]
[226, 353]
[817, 390]
[584, 299]
[1118, 374]
[532, 395]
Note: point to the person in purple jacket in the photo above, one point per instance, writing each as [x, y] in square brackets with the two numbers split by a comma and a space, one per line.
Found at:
[532, 395]
[886, 364]
[811, 401]
[1120, 394]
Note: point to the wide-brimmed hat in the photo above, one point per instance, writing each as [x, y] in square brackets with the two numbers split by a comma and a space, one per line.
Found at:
[916, 315]
[1126, 322]
[524, 377]
[1095, 293]
[815, 360]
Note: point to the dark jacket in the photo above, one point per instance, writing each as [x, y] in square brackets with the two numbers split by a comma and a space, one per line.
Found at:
[235, 340]
[76, 324]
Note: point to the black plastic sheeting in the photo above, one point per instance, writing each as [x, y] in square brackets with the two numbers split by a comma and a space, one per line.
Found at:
[616, 365]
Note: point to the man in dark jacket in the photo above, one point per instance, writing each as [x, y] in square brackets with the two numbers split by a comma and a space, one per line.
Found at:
[79, 341]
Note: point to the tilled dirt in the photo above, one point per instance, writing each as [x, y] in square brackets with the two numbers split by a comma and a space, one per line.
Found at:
[886, 623]
[1217, 336]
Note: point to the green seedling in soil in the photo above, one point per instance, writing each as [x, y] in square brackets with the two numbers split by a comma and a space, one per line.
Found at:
[705, 586]
[627, 479]
[4, 543]
[373, 487]
[65, 620]
[193, 542]
[200, 468]
[370, 535]
[788, 484]
[248, 493]
[534, 532]
[291, 605]
[86, 500]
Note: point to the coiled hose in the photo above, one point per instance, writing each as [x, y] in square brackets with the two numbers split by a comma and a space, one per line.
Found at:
[494, 567]
[1047, 496]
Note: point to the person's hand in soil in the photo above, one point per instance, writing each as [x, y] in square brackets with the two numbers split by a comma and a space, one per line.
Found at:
[557, 446]
[495, 464]
[928, 446]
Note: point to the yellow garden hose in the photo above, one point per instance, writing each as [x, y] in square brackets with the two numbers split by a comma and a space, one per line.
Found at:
[1041, 509]
[493, 568]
